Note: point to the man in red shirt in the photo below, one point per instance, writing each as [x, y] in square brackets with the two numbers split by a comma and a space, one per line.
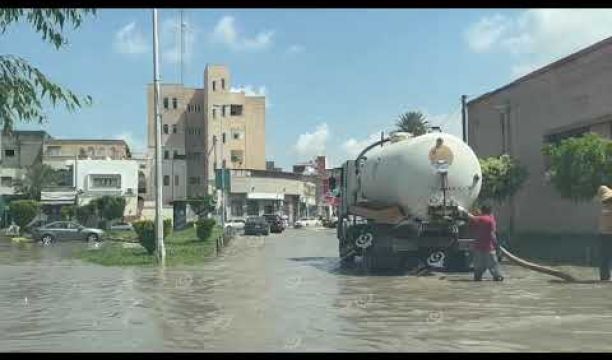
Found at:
[484, 228]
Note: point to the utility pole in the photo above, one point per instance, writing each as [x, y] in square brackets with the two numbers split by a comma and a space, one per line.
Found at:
[464, 118]
[159, 223]
[182, 45]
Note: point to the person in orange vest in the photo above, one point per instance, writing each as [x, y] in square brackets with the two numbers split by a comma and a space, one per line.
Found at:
[605, 232]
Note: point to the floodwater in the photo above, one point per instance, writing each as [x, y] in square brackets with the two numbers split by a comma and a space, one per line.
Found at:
[286, 293]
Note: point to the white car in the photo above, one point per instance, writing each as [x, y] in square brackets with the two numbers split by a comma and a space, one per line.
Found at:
[310, 222]
[236, 224]
[121, 227]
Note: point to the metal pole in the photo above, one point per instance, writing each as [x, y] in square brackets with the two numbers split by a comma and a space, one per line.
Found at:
[159, 224]
[222, 174]
[464, 118]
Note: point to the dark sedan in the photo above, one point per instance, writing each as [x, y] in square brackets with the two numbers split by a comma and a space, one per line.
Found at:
[276, 223]
[256, 225]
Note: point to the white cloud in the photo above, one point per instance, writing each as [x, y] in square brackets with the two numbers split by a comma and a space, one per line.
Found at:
[352, 147]
[311, 144]
[130, 40]
[137, 145]
[483, 35]
[170, 40]
[295, 49]
[250, 90]
[226, 33]
[539, 36]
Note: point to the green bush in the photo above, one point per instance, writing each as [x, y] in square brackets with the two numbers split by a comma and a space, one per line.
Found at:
[83, 213]
[23, 211]
[502, 177]
[578, 166]
[68, 212]
[110, 207]
[145, 230]
[204, 228]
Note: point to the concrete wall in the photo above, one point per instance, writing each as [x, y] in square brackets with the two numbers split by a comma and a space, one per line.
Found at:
[27, 147]
[573, 94]
[94, 149]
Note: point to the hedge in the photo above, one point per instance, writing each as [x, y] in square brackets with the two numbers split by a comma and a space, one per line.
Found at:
[23, 211]
[145, 230]
[204, 228]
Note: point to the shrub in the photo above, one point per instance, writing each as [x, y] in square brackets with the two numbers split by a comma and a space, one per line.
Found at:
[502, 177]
[204, 228]
[23, 211]
[578, 166]
[83, 213]
[145, 230]
[68, 212]
[110, 207]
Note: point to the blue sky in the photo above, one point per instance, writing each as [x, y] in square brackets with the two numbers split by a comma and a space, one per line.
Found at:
[333, 78]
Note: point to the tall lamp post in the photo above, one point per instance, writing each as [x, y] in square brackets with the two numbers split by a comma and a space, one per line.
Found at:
[159, 224]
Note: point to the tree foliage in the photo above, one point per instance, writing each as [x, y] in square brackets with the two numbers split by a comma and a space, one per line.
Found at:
[203, 205]
[579, 165]
[502, 177]
[110, 207]
[145, 229]
[37, 177]
[204, 228]
[413, 122]
[23, 87]
[23, 211]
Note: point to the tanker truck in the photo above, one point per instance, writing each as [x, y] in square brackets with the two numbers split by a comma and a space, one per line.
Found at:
[399, 200]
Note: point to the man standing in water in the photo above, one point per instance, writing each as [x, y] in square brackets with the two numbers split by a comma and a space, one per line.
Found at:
[605, 232]
[484, 227]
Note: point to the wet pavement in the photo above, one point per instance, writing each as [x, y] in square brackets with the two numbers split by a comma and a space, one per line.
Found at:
[286, 292]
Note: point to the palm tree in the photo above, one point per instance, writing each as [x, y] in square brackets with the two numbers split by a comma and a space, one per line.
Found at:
[38, 176]
[413, 122]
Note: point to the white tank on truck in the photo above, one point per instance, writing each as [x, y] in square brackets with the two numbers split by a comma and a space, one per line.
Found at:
[400, 198]
[410, 171]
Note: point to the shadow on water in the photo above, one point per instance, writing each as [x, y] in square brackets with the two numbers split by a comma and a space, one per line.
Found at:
[332, 265]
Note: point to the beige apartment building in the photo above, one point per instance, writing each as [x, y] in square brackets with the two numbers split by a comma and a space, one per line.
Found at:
[203, 128]
[566, 98]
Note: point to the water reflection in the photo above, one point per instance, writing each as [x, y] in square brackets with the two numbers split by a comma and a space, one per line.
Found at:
[286, 293]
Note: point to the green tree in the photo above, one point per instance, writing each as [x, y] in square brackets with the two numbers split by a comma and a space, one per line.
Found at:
[203, 205]
[23, 211]
[413, 122]
[37, 177]
[579, 165]
[110, 207]
[502, 177]
[23, 87]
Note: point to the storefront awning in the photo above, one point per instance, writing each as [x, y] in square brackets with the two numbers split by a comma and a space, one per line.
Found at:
[57, 197]
[265, 196]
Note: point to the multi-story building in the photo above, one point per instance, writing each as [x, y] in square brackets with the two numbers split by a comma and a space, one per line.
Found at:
[204, 128]
[57, 151]
[19, 150]
[566, 98]
[317, 172]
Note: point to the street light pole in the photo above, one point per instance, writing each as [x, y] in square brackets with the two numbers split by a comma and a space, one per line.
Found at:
[159, 224]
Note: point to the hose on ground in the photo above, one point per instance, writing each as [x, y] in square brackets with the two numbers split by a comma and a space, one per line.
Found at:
[535, 267]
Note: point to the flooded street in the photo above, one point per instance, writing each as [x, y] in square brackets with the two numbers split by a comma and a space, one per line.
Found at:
[286, 293]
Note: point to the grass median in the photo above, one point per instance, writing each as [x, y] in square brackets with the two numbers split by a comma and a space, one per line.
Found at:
[182, 248]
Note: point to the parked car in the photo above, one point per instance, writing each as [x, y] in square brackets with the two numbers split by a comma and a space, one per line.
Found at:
[276, 223]
[235, 224]
[121, 227]
[256, 225]
[307, 222]
[66, 230]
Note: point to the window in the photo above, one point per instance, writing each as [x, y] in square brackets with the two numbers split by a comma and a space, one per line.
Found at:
[194, 180]
[106, 181]
[235, 110]
[82, 153]
[223, 110]
[166, 180]
[175, 154]
[558, 137]
[165, 128]
[166, 154]
[223, 137]
[237, 156]
[174, 103]
[224, 163]
[237, 134]
[223, 84]
[214, 85]
[165, 103]
[55, 150]
[198, 108]
[176, 180]
[6, 181]
[214, 113]
[174, 129]
[9, 153]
